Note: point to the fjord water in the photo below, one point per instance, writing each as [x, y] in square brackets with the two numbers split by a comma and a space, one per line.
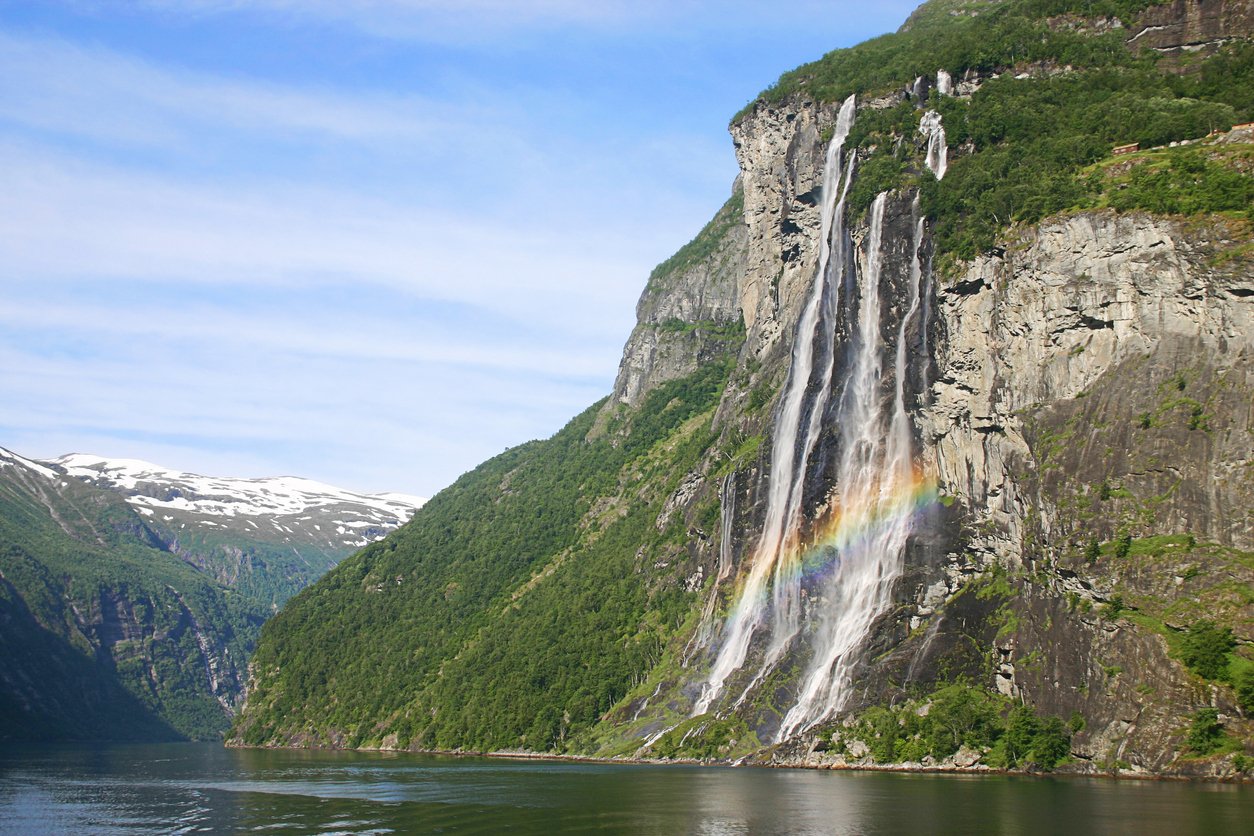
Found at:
[204, 788]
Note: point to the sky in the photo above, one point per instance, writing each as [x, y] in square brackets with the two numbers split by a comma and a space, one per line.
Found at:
[368, 242]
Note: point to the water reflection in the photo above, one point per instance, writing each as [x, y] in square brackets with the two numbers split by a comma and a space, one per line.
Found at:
[185, 788]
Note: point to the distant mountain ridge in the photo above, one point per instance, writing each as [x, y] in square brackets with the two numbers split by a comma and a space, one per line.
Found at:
[131, 595]
[154, 486]
[287, 529]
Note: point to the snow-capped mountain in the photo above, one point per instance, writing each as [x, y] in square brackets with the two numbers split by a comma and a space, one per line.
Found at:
[289, 508]
[10, 459]
[236, 529]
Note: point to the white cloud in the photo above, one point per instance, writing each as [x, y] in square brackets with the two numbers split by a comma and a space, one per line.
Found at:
[311, 334]
[58, 85]
[483, 21]
[62, 219]
[460, 267]
[485, 209]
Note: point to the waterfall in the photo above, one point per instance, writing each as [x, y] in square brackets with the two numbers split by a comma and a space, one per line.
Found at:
[937, 151]
[876, 483]
[918, 90]
[921, 278]
[818, 578]
[727, 511]
[787, 467]
[944, 83]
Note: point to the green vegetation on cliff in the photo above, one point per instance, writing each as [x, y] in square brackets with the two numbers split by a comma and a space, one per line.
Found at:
[704, 245]
[103, 635]
[518, 605]
[997, 732]
[1055, 95]
[1011, 33]
[1030, 140]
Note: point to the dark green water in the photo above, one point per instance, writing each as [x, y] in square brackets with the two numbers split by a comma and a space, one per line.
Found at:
[192, 788]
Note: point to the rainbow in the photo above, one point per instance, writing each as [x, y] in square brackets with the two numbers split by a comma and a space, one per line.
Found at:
[844, 530]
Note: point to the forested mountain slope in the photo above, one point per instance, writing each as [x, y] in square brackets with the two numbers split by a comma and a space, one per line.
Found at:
[266, 538]
[123, 621]
[948, 408]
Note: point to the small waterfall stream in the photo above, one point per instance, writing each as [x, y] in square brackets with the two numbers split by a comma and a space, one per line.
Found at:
[727, 506]
[937, 149]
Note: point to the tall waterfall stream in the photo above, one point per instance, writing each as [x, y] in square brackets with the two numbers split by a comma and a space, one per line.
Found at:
[817, 579]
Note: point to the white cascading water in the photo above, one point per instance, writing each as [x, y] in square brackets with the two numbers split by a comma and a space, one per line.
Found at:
[787, 467]
[937, 149]
[727, 506]
[875, 476]
[921, 278]
[812, 604]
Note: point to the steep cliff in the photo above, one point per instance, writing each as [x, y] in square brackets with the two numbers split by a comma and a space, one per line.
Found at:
[948, 409]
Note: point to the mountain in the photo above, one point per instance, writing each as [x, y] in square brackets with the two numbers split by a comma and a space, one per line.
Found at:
[120, 621]
[267, 538]
[932, 447]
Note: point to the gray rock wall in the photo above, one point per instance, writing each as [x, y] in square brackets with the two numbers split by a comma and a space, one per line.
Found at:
[1091, 379]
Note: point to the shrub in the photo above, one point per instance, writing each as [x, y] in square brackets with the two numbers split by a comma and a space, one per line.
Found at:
[1206, 734]
[1245, 690]
[1204, 650]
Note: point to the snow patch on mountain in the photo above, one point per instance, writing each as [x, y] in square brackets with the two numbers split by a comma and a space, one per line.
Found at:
[295, 507]
[10, 459]
[158, 487]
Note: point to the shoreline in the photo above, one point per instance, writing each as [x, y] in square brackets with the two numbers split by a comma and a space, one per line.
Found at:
[903, 768]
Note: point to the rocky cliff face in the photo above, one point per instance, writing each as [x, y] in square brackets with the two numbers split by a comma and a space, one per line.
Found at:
[1089, 380]
[1191, 26]
[689, 309]
[833, 478]
[1072, 310]
[1094, 380]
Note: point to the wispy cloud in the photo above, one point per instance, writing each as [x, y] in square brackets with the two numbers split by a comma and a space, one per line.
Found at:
[479, 21]
[62, 219]
[304, 334]
[370, 276]
[67, 87]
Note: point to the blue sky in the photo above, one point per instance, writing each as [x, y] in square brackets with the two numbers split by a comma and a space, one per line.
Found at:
[371, 242]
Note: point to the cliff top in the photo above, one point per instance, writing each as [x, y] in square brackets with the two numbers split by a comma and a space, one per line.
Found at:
[982, 37]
